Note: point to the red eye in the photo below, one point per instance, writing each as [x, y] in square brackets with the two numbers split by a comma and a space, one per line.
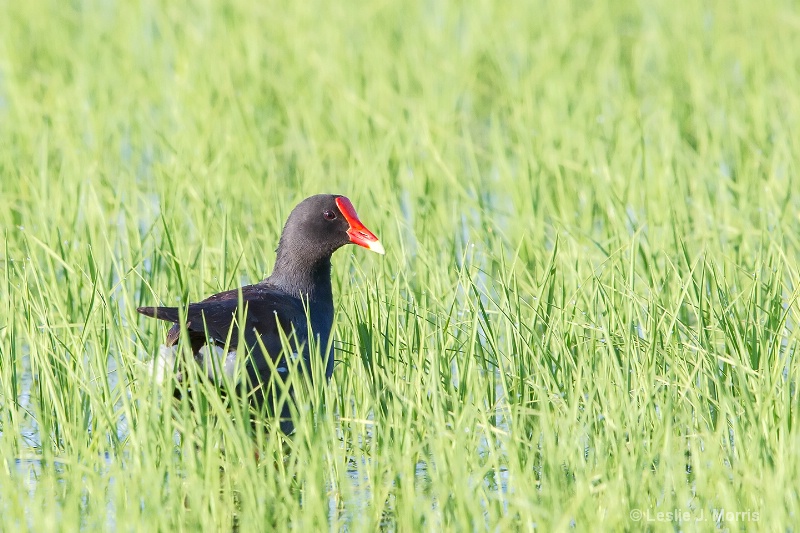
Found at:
[329, 215]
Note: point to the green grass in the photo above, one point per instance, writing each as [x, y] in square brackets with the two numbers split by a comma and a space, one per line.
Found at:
[588, 307]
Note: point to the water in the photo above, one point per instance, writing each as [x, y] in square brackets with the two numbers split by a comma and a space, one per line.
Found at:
[28, 468]
[494, 484]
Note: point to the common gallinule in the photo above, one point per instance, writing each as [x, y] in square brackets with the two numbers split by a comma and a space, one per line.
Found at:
[294, 300]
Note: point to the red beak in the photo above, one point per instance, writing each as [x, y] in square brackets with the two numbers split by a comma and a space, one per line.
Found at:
[358, 233]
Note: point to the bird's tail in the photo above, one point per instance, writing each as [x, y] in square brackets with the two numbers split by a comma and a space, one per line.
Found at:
[169, 314]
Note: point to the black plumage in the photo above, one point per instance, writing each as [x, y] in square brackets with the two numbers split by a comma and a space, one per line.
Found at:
[294, 300]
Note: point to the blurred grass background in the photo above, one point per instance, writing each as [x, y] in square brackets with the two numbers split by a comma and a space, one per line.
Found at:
[587, 308]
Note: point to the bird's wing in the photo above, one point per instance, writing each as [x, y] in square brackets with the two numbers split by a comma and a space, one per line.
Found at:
[265, 319]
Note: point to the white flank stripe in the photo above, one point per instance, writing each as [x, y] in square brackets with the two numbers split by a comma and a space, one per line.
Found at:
[216, 361]
[163, 364]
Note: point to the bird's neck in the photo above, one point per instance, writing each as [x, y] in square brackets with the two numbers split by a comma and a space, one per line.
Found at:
[304, 279]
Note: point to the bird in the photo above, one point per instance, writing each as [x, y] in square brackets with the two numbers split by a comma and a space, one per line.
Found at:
[275, 315]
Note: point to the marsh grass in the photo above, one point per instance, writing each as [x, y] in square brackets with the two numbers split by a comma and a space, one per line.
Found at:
[588, 306]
